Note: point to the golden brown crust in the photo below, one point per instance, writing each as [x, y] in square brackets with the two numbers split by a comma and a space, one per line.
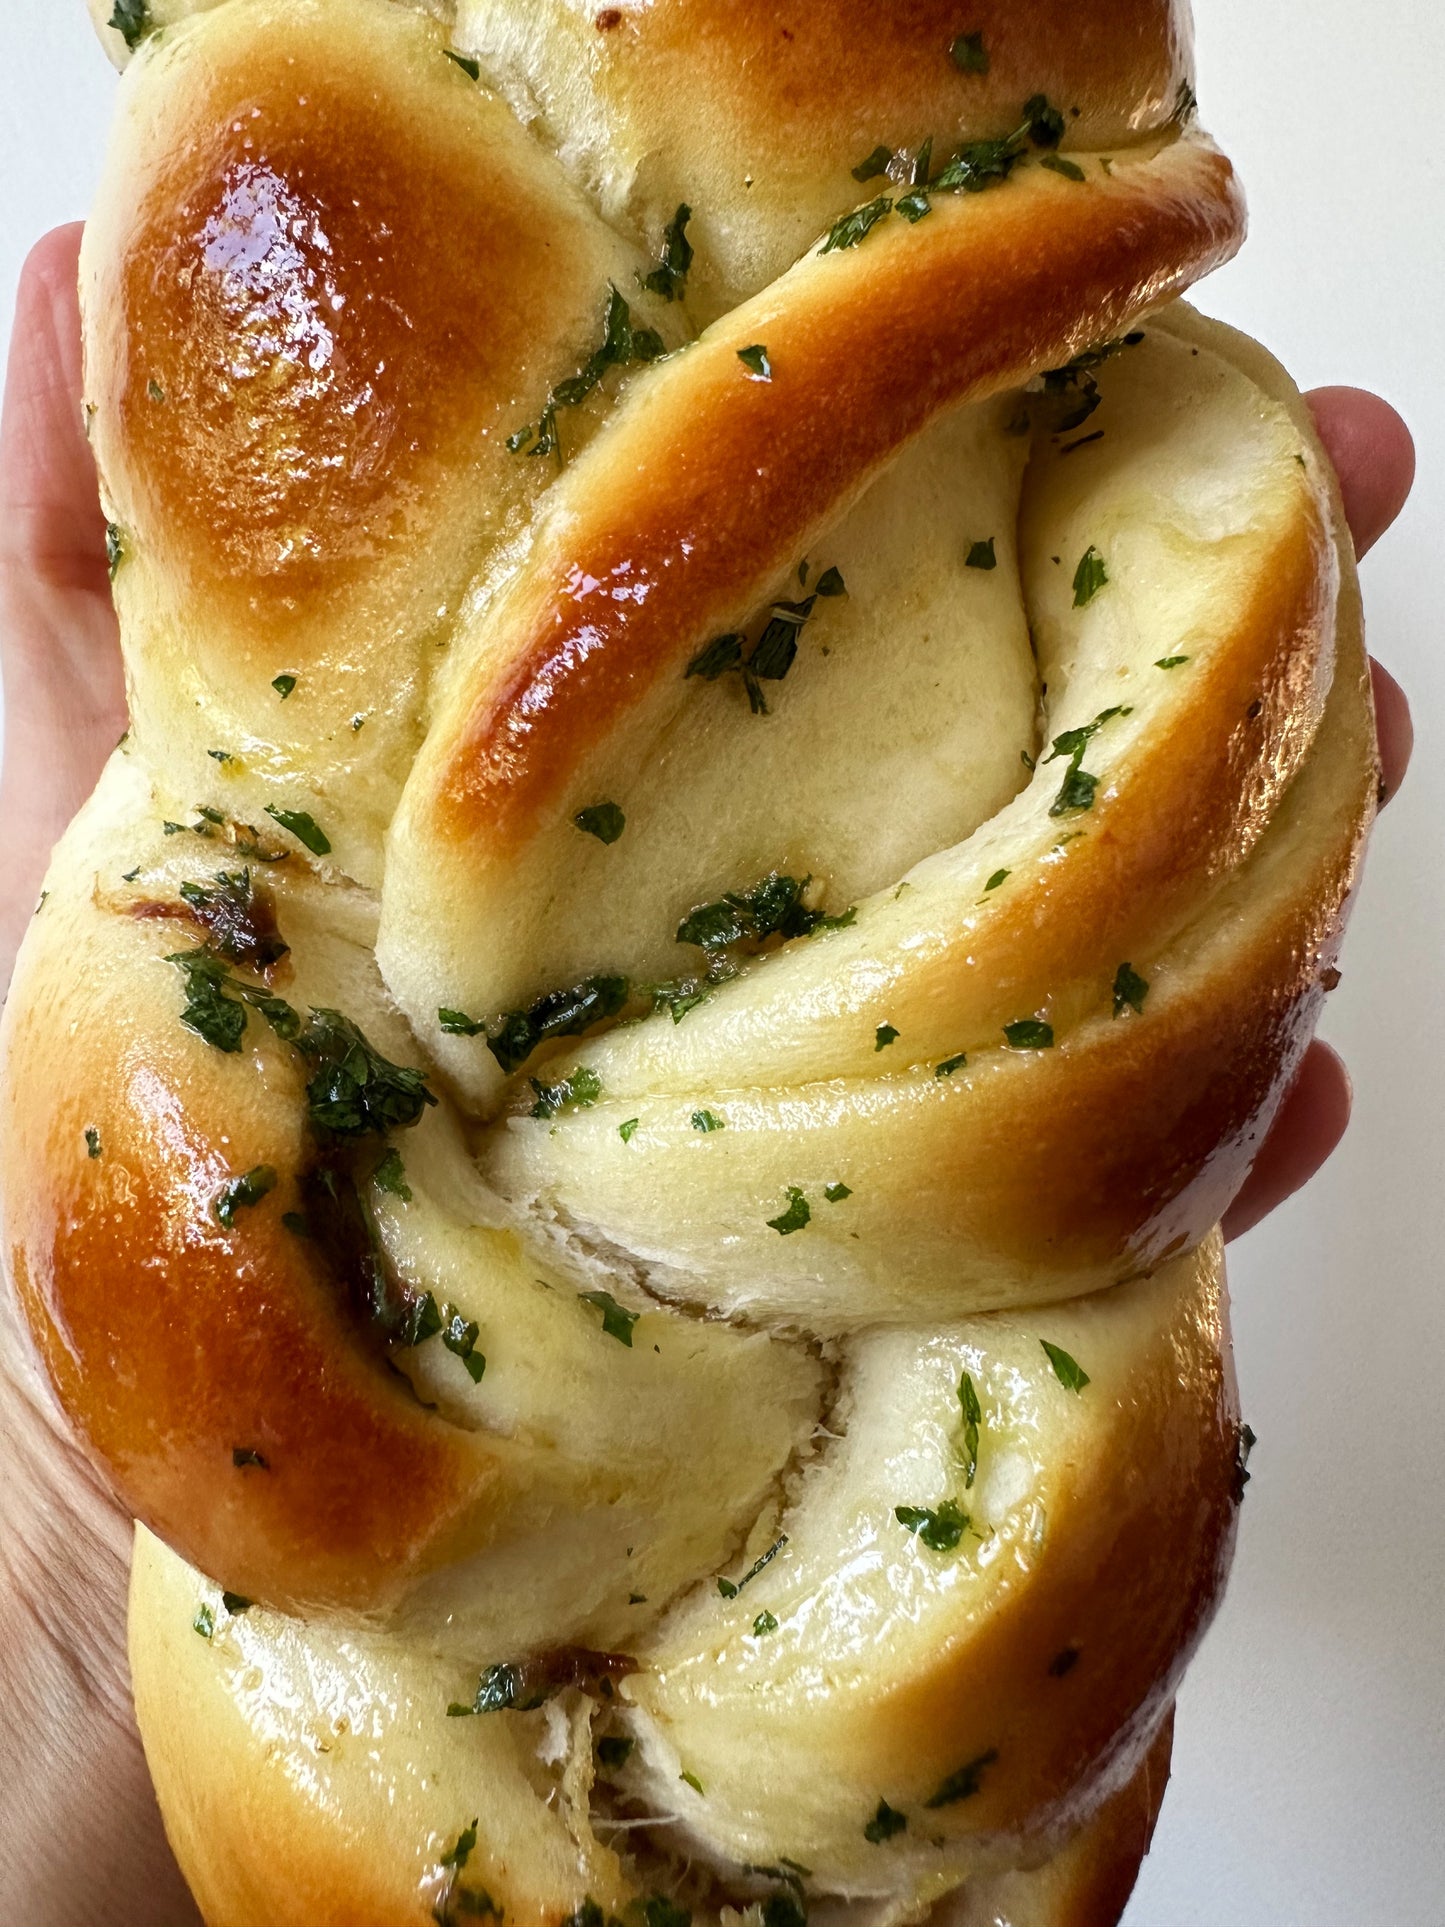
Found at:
[867, 346]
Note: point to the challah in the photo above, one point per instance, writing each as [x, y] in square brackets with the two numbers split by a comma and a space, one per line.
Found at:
[748, 754]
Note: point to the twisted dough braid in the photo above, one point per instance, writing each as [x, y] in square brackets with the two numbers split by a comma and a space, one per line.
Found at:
[614, 1114]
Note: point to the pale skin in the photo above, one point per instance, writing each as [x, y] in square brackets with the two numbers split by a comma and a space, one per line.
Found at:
[80, 1836]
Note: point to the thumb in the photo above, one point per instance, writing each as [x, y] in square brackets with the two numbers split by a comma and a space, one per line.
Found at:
[59, 651]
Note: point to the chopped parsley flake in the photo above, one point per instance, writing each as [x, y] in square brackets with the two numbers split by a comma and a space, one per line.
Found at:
[1078, 787]
[605, 821]
[303, 827]
[691, 1779]
[730, 1589]
[354, 1089]
[708, 1121]
[243, 1192]
[1058, 165]
[243, 1456]
[668, 279]
[1171, 662]
[614, 1750]
[771, 907]
[951, 1064]
[914, 205]
[131, 20]
[755, 360]
[461, 1853]
[390, 1176]
[1029, 1034]
[617, 1321]
[874, 164]
[939, 1528]
[998, 877]
[575, 1093]
[625, 1131]
[236, 1602]
[969, 54]
[114, 548]
[216, 1002]
[1130, 990]
[561, 1013]
[1067, 1370]
[835, 1193]
[1089, 577]
[92, 1142]
[852, 228]
[473, 71]
[981, 555]
[456, 1023]
[239, 920]
[764, 1624]
[283, 685]
[798, 1214]
[886, 1822]
[884, 1036]
[621, 345]
[964, 1784]
[204, 1622]
[460, 1336]
[1072, 392]
[972, 1419]
[830, 583]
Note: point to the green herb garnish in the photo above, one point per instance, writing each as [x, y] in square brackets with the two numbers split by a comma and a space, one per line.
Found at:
[622, 344]
[1170, 662]
[969, 54]
[614, 1750]
[755, 360]
[354, 1089]
[92, 1141]
[460, 1336]
[390, 1176]
[473, 71]
[798, 1214]
[114, 548]
[243, 1456]
[884, 1036]
[204, 1622]
[730, 1589]
[851, 229]
[691, 1779]
[1078, 787]
[886, 1822]
[236, 1602]
[461, 1853]
[131, 20]
[951, 1064]
[939, 1528]
[283, 685]
[1089, 577]
[1029, 1034]
[605, 821]
[668, 278]
[964, 1784]
[303, 827]
[1130, 990]
[1057, 164]
[242, 1192]
[998, 877]
[561, 1013]
[764, 1624]
[835, 1193]
[708, 1121]
[1067, 1370]
[617, 1321]
[972, 1419]
[625, 1131]
[874, 164]
[914, 205]
[575, 1093]
[981, 555]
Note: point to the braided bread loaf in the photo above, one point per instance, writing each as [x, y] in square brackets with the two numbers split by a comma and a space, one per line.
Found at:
[614, 1115]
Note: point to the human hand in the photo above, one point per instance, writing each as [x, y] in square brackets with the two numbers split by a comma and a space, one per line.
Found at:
[76, 1800]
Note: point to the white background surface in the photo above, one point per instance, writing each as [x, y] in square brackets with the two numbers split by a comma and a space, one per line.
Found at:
[1309, 1783]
